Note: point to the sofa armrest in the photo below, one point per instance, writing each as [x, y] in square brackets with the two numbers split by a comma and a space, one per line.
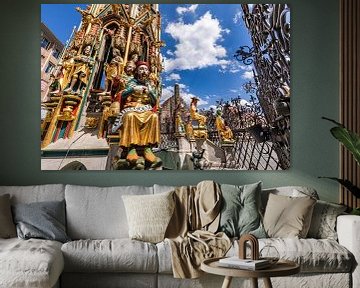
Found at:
[348, 230]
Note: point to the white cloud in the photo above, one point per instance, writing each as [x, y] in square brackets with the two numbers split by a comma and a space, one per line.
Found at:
[227, 31]
[183, 86]
[248, 75]
[235, 66]
[197, 44]
[173, 76]
[181, 9]
[237, 17]
[168, 52]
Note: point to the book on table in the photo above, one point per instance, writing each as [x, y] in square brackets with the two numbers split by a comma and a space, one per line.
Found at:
[249, 264]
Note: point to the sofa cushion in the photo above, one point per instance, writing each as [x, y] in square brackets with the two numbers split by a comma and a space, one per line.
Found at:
[34, 193]
[149, 215]
[98, 213]
[109, 280]
[43, 220]
[7, 226]
[287, 216]
[313, 255]
[117, 255]
[30, 263]
[164, 257]
[240, 212]
[291, 191]
[163, 188]
[323, 222]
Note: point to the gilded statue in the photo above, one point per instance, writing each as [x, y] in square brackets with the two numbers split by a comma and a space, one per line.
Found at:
[224, 131]
[112, 70]
[121, 82]
[67, 69]
[195, 115]
[81, 71]
[189, 130]
[153, 77]
[179, 124]
[87, 16]
[128, 74]
[139, 130]
[54, 87]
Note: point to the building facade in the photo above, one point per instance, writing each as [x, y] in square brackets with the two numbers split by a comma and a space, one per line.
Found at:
[51, 48]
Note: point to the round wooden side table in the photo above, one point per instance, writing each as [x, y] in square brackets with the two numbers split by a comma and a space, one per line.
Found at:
[281, 268]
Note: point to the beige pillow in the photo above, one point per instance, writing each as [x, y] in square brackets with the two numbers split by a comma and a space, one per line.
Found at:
[288, 217]
[149, 215]
[7, 226]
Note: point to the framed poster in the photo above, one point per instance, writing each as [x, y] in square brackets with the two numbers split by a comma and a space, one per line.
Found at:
[165, 87]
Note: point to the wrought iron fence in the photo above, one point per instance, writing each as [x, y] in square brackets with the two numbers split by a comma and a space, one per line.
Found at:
[269, 27]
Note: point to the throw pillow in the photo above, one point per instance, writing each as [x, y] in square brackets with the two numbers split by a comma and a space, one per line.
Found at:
[323, 222]
[288, 217]
[43, 220]
[7, 227]
[240, 213]
[149, 215]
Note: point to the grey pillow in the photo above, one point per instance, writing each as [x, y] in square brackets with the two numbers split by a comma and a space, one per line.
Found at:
[44, 220]
[240, 213]
[323, 222]
[7, 226]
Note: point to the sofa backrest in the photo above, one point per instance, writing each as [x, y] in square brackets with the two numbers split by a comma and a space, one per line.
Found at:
[34, 193]
[293, 191]
[163, 188]
[98, 212]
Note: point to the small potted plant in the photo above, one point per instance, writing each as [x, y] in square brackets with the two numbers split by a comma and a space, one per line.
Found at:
[351, 141]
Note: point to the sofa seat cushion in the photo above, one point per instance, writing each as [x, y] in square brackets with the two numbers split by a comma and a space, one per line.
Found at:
[30, 263]
[110, 255]
[313, 255]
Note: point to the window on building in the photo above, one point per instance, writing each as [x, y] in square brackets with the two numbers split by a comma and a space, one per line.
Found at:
[56, 53]
[45, 43]
[42, 60]
[43, 85]
[49, 67]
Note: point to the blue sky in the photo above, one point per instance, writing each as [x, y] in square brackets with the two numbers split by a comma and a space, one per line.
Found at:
[200, 43]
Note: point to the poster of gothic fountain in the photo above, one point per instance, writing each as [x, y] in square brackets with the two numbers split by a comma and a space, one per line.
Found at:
[165, 87]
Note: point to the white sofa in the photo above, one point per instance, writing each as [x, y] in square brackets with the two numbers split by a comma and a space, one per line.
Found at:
[101, 254]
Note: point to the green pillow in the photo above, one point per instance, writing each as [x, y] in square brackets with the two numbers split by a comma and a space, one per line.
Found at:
[240, 213]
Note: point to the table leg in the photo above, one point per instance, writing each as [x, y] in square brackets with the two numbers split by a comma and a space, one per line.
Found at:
[227, 282]
[254, 282]
[267, 283]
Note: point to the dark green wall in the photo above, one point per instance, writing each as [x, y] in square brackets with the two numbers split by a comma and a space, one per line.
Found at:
[314, 94]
